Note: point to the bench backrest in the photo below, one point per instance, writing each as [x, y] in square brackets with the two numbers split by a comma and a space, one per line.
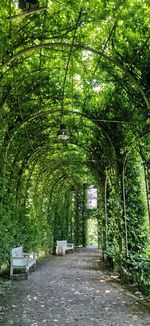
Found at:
[17, 252]
[62, 243]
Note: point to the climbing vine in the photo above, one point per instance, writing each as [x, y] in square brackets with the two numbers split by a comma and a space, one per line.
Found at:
[83, 66]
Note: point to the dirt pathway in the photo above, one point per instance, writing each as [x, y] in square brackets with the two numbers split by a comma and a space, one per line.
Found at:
[70, 290]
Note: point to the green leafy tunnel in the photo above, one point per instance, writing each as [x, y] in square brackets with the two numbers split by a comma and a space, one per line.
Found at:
[83, 64]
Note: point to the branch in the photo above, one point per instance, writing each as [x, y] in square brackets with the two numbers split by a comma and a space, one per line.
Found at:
[27, 13]
[87, 48]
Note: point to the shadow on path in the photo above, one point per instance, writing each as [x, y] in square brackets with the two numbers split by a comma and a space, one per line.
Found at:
[70, 290]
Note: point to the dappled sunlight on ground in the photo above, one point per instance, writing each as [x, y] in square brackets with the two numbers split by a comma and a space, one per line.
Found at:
[71, 290]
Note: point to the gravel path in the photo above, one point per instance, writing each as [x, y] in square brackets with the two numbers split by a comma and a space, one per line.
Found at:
[70, 290]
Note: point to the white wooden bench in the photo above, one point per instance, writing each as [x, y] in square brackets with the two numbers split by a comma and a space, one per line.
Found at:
[23, 260]
[62, 247]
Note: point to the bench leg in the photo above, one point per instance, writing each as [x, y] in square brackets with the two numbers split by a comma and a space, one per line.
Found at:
[27, 273]
[64, 251]
[11, 272]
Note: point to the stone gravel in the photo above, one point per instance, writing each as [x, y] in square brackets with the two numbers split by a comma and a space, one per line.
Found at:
[70, 290]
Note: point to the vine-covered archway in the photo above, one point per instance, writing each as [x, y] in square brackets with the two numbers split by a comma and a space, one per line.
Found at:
[85, 66]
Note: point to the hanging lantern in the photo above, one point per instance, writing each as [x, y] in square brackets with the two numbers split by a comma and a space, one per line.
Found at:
[63, 133]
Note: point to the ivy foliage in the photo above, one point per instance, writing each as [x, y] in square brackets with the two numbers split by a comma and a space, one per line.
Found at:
[84, 64]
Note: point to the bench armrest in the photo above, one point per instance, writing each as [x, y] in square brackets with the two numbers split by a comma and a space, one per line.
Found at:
[70, 245]
[28, 254]
[18, 257]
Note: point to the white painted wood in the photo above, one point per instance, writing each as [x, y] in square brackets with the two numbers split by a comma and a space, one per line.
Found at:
[63, 246]
[20, 259]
